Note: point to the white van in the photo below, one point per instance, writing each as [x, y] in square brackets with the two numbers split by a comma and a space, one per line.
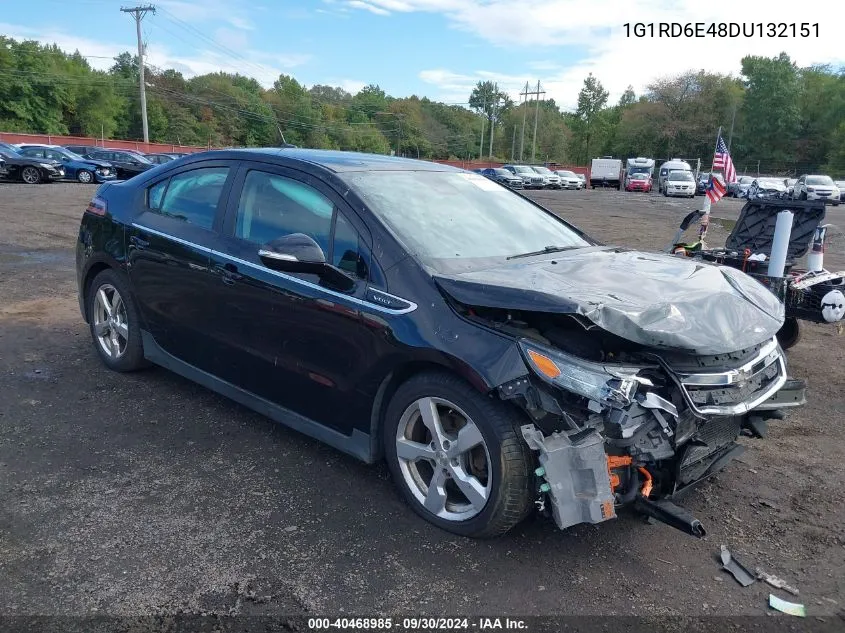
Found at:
[665, 168]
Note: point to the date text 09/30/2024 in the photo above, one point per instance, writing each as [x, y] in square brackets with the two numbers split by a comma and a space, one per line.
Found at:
[421, 623]
[721, 29]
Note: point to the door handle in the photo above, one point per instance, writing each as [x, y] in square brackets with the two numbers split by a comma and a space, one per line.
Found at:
[139, 242]
[229, 273]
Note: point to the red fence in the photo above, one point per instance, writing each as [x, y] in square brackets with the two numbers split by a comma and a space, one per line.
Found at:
[150, 148]
[50, 139]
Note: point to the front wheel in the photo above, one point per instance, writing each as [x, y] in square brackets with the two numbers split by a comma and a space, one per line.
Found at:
[84, 176]
[457, 457]
[31, 175]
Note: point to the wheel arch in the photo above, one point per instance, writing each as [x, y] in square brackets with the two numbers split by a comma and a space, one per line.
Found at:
[93, 269]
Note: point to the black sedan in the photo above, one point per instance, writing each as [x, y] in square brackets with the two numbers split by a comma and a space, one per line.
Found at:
[29, 170]
[414, 312]
[502, 176]
[126, 163]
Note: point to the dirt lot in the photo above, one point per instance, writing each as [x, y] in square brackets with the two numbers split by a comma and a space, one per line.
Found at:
[143, 493]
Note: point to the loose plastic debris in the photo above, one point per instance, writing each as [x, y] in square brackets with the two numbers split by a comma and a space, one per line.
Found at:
[776, 582]
[736, 569]
[792, 608]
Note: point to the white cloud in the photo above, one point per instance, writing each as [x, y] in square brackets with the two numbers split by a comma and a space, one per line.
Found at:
[366, 6]
[352, 86]
[264, 67]
[595, 28]
[231, 38]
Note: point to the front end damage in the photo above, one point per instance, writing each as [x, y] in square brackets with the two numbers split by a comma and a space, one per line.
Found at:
[616, 423]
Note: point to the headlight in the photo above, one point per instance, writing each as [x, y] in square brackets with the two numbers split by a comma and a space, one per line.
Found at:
[810, 189]
[49, 165]
[606, 384]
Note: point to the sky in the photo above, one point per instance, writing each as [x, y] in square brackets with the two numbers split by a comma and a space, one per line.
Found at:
[433, 48]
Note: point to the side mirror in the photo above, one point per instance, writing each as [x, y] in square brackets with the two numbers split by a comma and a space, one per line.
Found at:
[299, 253]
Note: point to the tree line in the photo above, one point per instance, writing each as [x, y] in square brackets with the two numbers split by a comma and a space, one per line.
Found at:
[779, 118]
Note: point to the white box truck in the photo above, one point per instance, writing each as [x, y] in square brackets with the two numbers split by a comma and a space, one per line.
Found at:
[606, 172]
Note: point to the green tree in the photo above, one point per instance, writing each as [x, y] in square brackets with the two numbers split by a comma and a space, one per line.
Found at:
[591, 100]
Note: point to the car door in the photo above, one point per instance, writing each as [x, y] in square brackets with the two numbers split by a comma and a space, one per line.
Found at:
[169, 263]
[291, 338]
[70, 171]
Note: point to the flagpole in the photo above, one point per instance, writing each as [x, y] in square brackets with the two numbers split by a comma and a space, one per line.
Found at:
[705, 219]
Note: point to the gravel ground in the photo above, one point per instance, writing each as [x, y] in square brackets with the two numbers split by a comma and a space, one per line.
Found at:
[146, 494]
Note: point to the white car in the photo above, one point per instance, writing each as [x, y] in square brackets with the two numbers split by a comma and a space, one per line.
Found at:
[551, 179]
[816, 187]
[569, 179]
[680, 182]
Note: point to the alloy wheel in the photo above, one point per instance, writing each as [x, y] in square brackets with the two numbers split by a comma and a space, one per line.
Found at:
[30, 175]
[444, 459]
[111, 326]
[84, 176]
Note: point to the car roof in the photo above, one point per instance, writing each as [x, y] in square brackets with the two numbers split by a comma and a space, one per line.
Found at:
[331, 160]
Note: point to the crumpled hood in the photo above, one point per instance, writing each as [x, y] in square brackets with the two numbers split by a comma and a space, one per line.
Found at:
[662, 301]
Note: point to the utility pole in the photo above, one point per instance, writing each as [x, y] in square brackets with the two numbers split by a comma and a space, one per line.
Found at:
[493, 119]
[524, 107]
[513, 142]
[731, 133]
[536, 117]
[138, 13]
[483, 124]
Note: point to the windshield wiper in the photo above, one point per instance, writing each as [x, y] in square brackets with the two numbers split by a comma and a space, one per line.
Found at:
[546, 249]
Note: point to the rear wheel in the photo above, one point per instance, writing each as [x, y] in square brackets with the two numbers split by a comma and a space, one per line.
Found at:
[457, 457]
[113, 320]
[31, 175]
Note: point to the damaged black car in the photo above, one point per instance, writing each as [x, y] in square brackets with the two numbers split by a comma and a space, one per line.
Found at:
[495, 356]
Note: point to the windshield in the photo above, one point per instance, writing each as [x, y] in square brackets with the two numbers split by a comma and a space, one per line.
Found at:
[768, 182]
[522, 169]
[746, 180]
[69, 154]
[443, 216]
[502, 172]
[819, 180]
[680, 175]
[542, 170]
[639, 176]
[567, 174]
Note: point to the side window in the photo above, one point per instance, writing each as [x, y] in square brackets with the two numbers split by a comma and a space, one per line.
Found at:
[272, 206]
[54, 155]
[155, 193]
[193, 195]
[345, 251]
[33, 153]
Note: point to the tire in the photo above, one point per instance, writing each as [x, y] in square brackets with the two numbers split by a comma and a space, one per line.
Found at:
[31, 175]
[124, 350]
[803, 195]
[84, 176]
[501, 463]
[790, 333]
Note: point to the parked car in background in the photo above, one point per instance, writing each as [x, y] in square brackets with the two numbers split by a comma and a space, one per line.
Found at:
[82, 150]
[583, 178]
[550, 179]
[789, 183]
[126, 162]
[530, 178]
[840, 184]
[679, 182]
[675, 164]
[638, 182]
[816, 187]
[2, 167]
[399, 310]
[701, 185]
[569, 179]
[766, 188]
[160, 159]
[29, 170]
[739, 187]
[84, 170]
[502, 176]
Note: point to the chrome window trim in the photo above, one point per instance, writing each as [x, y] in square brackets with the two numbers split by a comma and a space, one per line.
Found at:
[354, 300]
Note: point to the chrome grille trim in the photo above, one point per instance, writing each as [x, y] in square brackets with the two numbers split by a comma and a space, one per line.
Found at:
[768, 366]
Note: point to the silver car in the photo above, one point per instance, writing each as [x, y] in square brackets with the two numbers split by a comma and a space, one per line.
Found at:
[569, 179]
[551, 179]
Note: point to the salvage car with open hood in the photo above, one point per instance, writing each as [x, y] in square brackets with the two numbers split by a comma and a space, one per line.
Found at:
[497, 357]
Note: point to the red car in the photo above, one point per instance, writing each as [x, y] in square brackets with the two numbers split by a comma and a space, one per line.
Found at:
[638, 182]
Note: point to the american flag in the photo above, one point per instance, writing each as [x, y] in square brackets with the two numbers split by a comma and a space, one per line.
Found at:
[722, 161]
